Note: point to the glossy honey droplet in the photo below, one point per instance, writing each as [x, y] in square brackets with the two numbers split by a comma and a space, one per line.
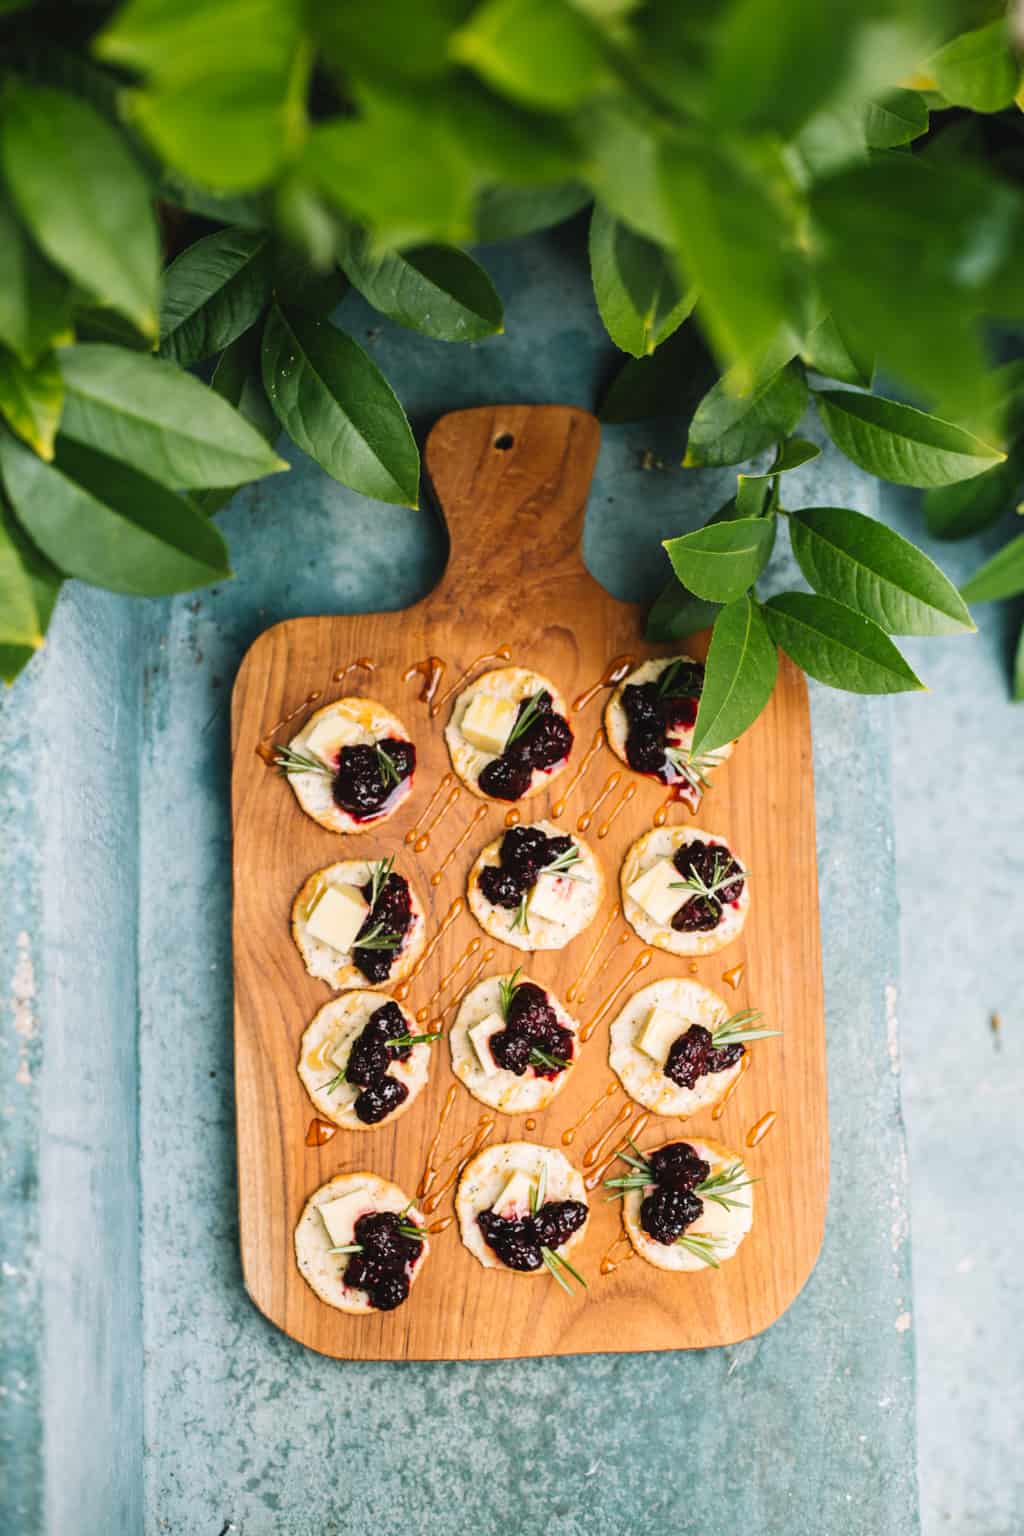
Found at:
[320, 1132]
[759, 1130]
[734, 975]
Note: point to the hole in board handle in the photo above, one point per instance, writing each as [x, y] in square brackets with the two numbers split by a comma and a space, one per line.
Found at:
[504, 442]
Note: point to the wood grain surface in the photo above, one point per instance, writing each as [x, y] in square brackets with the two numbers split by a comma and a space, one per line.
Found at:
[512, 483]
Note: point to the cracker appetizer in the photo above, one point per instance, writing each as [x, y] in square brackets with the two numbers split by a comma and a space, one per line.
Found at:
[649, 722]
[684, 890]
[358, 924]
[351, 765]
[508, 736]
[535, 888]
[676, 1049]
[360, 1243]
[686, 1206]
[362, 1061]
[523, 1207]
[513, 1044]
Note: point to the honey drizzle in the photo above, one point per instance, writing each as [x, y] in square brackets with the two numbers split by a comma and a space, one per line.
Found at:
[412, 836]
[531, 1124]
[620, 805]
[484, 1127]
[440, 1225]
[558, 806]
[449, 976]
[429, 1168]
[569, 1136]
[265, 747]
[453, 1007]
[513, 817]
[611, 1261]
[456, 910]
[759, 1130]
[719, 1109]
[618, 668]
[423, 840]
[574, 990]
[734, 975]
[431, 669]
[595, 1149]
[501, 654]
[682, 794]
[320, 1132]
[596, 1175]
[611, 783]
[641, 963]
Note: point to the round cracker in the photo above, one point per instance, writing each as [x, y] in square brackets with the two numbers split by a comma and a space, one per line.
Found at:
[485, 1177]
[369, 723]
[321, 1269]
[335, 1029]
[642, 1078]
[503, 1090]
[328, 964]
[731, 1226]
[542, 934]
[516, 683]
[661, 843]
[616, 725]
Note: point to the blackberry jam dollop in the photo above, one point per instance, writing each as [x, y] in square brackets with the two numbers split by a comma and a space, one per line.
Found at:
[518, 1240]
[383, 1267]
[692, 1056]
[524, 853]
[715, 868]
[672, 1205]
[532, 1024]
[545, 741]
[657, 712]
[367, 777]
[368, 1062]
[389, 918]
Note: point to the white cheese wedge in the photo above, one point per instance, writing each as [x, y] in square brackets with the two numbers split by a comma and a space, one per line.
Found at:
[653, 891]
[329, 735]
[488, 721]
[480, 1036]
[341, 1050]
[337, 917]
[340, 1216]
[662, 1028]
[515, 1197]
[554, 897]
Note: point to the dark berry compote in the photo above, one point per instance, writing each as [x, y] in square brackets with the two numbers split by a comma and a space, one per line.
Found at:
[673, 1205]
[540, 740]
[368, 780]
[693, 1055]
[369, 1059]
[661, 715]
[384, 928]
[525, 853]
[717, 882]
[389, 1255]
[518, 1240]
[532, 1040]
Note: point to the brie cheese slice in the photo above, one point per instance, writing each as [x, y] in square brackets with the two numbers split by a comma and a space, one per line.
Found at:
[653, 891]
[337, 917]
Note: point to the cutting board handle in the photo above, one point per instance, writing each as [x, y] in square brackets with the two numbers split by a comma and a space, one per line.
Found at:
[512, 483]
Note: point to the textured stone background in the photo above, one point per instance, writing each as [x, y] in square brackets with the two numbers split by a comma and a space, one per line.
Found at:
[142, 1392]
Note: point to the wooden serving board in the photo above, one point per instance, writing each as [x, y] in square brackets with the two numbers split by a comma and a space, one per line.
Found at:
[512, 482]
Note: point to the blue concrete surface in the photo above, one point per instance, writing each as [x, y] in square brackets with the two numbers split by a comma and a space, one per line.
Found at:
[808, 1429]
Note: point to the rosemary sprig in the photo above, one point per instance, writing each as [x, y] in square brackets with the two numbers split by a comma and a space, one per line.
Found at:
[702, 1245]
[733, 1031]
[378, 871]
[378, 937]
[562, 865]
[407, 1229]
[694, 767]
[335, 1081]
[507, 988]
[288, 762]
[388, 771]
[720, 877]
[556, 1264]
[539, 1058]
[415, 1039]
[721, 1186]
[528, 717]
[522, 919]
[538, 1191]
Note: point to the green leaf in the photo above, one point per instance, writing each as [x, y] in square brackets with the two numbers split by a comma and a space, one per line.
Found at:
[19, 619]
[35, 299]
[792, 454]
[668, 384]
[738, 677]
[339, 408]
[623, 165]
[238, 380]
[728, 427]
[543, 53]
[977, 69]
[31, 399]
[1002, 576]
[408, 38]
[434, 289]
[955, 511]
[876, 571]
[896, 118]
[160, 420]
[84, 198]
[1018, 669]
[635, 285]
[303, 286]
[734, 245]
[213, 292]
[45, 583]
[225, 87]
[102, 521]
[827, 352]
[505, 213]
[837, 646]
[902, 444]
[751, 500]
[723, 560]
[676, 613]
